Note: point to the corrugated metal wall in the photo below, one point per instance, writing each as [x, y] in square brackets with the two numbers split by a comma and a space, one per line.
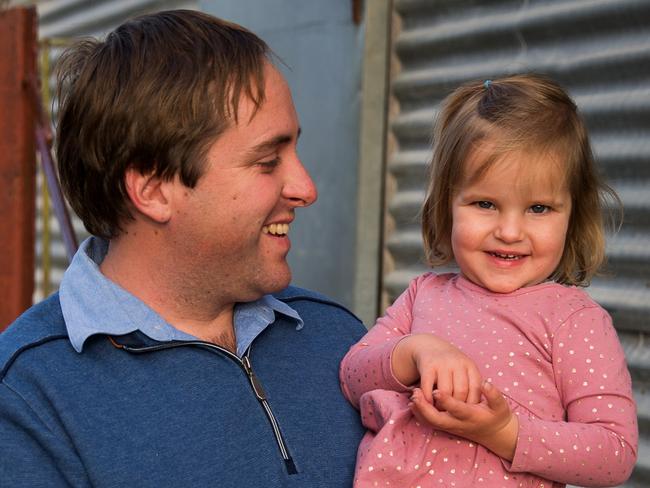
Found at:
[600, 51]
[62, 20]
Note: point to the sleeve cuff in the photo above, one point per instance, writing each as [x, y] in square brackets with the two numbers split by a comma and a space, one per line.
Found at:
[387, 365]
[523, 447]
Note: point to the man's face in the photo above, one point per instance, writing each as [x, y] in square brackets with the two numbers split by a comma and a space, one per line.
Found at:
[233, 225]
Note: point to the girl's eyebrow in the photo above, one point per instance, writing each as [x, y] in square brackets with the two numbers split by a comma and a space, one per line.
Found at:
[555, 203]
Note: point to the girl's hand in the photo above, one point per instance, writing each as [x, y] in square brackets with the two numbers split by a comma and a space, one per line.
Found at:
[489, 423]
[436, 364]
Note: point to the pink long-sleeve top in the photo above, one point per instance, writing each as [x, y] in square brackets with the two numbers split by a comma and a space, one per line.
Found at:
[552, 352]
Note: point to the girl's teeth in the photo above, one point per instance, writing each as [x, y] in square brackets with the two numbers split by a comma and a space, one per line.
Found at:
[505, 256]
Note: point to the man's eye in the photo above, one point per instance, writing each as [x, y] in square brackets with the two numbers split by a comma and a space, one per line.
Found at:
[484, 204]
[539, 208]
[269, 166]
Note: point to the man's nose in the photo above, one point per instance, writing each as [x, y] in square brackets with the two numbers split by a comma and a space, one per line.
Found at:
[299, 188]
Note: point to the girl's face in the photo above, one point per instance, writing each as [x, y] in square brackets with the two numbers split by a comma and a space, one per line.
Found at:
[510, 225]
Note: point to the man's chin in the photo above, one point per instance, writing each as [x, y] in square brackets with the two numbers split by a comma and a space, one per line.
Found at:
[276, 282]
[281, 284]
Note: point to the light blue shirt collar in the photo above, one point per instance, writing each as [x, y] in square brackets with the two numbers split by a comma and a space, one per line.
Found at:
[93, 304]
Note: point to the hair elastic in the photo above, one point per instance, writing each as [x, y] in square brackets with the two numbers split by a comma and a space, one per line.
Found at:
[486, 84]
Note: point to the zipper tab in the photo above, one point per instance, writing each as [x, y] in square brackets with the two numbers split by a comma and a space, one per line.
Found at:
[255, 382]
[261, 396]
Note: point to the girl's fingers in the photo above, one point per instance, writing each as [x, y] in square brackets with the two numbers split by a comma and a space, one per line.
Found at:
[417, 399]
[460, 388]
[491, 392]
[456, 408]
[427, 380]
[418, 416]
[426, 412]
[494, 398]
[445, 382]
[474, 394]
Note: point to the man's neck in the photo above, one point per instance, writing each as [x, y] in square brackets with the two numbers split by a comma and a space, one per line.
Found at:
[181, 302]
[218, 330]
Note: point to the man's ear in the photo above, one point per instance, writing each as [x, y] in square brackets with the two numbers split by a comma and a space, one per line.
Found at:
[149, 194]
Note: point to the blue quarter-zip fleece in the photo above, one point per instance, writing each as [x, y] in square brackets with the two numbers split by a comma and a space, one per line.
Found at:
[183, 416]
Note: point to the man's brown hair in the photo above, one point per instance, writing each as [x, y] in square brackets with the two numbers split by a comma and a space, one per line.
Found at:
[522, 112]
[152, 96]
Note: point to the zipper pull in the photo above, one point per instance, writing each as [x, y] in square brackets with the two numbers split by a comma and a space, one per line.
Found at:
[255, 382]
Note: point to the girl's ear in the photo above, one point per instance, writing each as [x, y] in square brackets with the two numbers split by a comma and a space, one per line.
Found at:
[149, 194]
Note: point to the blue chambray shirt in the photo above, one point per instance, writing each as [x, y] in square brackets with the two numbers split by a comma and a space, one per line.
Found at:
[93, 304]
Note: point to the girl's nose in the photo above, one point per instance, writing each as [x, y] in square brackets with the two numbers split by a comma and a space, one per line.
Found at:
[509, 228]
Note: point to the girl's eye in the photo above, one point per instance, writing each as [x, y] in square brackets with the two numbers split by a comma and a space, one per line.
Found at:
[539, 208]
[484, 204]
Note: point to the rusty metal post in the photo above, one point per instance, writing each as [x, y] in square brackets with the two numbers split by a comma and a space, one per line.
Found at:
[18, 40]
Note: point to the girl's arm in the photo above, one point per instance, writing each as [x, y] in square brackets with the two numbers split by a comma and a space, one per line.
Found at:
[388, 357]
[597, 443]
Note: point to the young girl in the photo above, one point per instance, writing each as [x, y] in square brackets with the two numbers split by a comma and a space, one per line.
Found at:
[515, 200]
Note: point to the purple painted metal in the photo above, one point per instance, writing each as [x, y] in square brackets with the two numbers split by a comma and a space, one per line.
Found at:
[44, 144]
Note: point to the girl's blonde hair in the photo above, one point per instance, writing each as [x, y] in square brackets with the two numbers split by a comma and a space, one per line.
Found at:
[522, 112]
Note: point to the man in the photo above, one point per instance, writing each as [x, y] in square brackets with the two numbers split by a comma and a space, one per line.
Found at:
[164, 360]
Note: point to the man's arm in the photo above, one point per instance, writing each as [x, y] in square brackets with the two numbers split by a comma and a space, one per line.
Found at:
[30, 453]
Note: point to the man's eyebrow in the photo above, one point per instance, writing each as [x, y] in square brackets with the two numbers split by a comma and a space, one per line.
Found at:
[273, 143]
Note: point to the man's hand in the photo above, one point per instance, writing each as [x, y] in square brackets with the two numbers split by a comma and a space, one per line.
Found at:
[436, 363]
[489, 423]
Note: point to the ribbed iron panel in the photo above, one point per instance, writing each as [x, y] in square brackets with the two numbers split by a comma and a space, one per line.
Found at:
[61, 20]
[600, 51]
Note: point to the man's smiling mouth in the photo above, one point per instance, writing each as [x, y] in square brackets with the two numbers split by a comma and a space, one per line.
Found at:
[276, 229]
